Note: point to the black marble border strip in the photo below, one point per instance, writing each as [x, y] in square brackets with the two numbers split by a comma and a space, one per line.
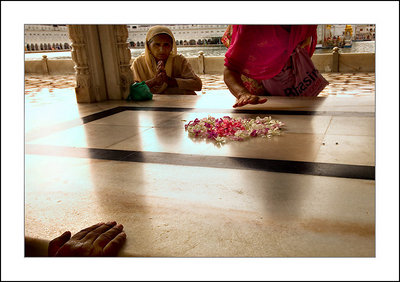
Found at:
[283, 166]
[102, 114]
[72, 123]
[253, 111]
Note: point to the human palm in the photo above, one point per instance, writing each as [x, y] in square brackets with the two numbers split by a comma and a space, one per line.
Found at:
[102, 239]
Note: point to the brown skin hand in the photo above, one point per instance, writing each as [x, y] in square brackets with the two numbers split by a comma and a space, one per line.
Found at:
[99, 240]
[243, 96]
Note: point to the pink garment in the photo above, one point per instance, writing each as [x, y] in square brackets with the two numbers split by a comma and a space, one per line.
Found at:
[261, 51]
[301, 78]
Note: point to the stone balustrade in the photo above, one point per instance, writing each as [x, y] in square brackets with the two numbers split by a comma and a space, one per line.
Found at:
[325, 63]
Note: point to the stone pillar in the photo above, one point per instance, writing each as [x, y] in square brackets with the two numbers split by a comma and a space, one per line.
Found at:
[124, 59]
[86, 54]
[201, 62]
[335, 59]
[45, 66]
[116, 59]
[102, 62]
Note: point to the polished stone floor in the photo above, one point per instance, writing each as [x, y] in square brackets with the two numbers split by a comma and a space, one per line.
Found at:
[307, 193]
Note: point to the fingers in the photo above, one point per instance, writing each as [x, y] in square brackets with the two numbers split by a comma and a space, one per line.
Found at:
[160, 66]
[244, 100]
[249, 99]
[161, 77]
[236, 105]
[252, 100]
[262, 100]
[95, 233]
[112, 248]
[84, 232]
[58, 242]
[240, 101]
[108, 236]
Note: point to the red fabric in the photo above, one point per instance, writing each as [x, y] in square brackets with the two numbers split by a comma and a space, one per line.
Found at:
[261, 51]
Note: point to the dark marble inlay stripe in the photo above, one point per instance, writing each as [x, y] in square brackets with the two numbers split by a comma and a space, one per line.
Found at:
[102, 114]
[42, 132]
[296, 167]
[255, 111]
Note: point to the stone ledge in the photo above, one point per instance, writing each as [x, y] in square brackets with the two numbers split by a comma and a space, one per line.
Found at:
[353, 63]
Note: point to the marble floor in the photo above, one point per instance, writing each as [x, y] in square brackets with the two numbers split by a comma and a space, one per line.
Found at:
[309, 192]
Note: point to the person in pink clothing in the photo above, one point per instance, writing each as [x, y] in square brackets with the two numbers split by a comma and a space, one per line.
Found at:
[258, 53]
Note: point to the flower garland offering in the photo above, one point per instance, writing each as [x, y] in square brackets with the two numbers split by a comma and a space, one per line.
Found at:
[233, 129]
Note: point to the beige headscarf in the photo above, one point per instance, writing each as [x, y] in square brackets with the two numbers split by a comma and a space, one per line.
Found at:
[145, 66]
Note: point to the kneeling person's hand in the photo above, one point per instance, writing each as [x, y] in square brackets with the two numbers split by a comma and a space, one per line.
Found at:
[102, 239]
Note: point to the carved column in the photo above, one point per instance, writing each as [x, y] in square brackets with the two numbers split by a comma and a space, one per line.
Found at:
[116, 59]
[86, 54]
[124, 56]
[102, 62]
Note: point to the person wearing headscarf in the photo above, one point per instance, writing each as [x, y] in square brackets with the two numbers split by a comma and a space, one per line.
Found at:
[257, 53]
[163, 70]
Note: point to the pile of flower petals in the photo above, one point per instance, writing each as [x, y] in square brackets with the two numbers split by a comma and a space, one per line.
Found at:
[233, 129]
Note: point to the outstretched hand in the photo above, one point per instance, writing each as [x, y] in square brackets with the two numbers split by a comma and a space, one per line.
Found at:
[245, 99]
[101, 239]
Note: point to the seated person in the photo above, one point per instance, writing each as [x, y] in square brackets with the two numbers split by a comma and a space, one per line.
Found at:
[162, 69]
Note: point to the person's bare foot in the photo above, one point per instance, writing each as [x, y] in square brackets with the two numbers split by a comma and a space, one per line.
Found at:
[101, 239]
